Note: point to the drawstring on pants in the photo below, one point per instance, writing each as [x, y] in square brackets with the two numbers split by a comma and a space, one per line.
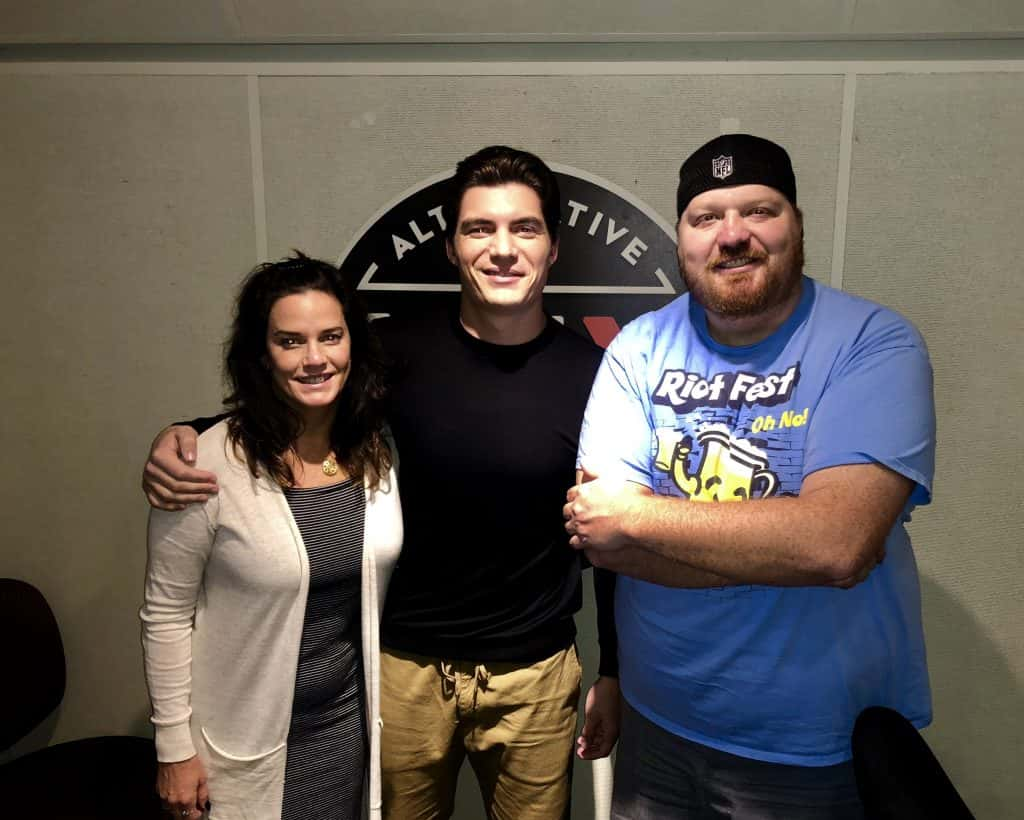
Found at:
[447, 679]
[450, 680]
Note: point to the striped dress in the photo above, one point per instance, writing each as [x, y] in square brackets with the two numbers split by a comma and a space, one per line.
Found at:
[327, 743]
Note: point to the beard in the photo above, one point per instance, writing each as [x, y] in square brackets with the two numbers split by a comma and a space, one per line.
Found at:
[736, 296]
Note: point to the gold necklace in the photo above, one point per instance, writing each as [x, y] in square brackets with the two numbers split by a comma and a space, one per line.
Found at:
[330, 465]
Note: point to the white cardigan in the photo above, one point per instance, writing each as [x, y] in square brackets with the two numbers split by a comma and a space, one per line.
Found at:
[225, 600]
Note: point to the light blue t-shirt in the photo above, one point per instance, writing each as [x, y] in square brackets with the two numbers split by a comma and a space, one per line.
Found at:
[770, 673]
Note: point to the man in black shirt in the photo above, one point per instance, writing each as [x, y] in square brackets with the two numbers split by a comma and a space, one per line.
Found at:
[478, 635]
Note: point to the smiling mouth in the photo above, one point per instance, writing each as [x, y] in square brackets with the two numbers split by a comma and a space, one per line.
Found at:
[736, 263]
[314, 379]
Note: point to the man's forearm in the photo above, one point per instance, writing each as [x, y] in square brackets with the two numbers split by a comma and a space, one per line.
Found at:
[201, 424]
[607, 635]
[645, 565]
[755, 542]
[829, 535]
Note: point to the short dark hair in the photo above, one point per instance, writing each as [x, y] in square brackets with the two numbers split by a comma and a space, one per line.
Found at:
[501, 165]
[261, 422]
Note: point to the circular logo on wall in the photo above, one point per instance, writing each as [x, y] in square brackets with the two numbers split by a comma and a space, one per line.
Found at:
[616, 256]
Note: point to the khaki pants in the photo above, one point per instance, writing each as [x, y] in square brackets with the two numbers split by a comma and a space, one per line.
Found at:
[515, 722]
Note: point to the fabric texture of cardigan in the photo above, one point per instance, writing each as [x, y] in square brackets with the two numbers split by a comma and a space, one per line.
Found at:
[225, 598]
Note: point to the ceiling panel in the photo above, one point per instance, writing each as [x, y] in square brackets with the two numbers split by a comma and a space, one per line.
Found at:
[535, 19]
[938, 17]
[117, 21]
[396, 21]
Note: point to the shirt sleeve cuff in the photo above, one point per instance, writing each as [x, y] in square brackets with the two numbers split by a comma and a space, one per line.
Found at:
[174, 743]
[608, 667]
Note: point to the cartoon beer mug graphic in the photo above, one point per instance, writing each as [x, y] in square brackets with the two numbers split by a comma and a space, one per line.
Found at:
[730, 469]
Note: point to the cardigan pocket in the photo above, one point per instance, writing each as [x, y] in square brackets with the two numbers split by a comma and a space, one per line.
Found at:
[244, 787]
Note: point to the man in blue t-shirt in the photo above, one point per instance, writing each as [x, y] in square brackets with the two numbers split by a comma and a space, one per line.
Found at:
[752, 635]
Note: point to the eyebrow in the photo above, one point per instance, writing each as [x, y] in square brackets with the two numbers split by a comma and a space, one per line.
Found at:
[335, 329]
[474, 222]
[754, 203]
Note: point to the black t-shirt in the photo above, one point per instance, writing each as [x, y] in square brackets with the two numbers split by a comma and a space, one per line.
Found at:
[486, 437]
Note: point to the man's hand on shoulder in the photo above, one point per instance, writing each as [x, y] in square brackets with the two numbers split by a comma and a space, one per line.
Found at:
[169, 480]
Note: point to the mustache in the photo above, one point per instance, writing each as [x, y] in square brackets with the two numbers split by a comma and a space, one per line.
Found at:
[732, 256]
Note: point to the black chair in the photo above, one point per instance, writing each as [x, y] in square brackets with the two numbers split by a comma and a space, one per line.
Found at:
[96, 777]
[898, 777]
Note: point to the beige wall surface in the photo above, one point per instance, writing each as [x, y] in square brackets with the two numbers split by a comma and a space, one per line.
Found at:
[133, 203]
[337, 149]
[127, 217]
[937, 186]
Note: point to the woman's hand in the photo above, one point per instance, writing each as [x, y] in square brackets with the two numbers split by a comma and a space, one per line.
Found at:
[182, 787]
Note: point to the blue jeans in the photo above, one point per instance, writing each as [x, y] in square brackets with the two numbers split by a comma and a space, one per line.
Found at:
[660, 776]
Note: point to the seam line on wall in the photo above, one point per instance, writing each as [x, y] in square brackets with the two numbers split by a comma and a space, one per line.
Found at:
[843, 180]
[231, 17]
[259, 199]
[849, 16]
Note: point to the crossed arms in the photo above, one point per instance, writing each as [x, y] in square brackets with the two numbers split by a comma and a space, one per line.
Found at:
[832, 534]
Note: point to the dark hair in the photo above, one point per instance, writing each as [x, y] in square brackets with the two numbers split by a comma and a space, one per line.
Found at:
[262, 423]
[501, 165]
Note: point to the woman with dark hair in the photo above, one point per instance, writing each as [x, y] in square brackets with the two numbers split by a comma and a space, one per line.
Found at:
[261, 614]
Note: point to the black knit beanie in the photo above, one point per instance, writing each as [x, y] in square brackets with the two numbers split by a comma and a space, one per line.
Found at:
[735, 159]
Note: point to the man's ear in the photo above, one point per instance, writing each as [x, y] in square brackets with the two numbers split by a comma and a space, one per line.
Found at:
[553, 255]
[450, 252]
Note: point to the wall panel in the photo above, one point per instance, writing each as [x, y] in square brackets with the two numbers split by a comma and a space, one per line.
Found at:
[127, 216]
[934, 224]
[337, 149]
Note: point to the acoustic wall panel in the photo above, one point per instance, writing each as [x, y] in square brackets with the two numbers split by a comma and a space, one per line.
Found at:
[936, 199]
[127, 218]
[338, 149]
